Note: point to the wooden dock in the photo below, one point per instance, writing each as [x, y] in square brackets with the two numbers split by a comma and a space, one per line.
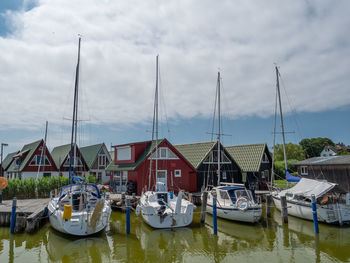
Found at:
[29, 214]
[118, 201]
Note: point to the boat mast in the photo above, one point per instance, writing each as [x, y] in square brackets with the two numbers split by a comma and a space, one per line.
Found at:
[219, 130]
[75, 113]
[274, 142]
[282, 127]
[154, 127]
[43, 150]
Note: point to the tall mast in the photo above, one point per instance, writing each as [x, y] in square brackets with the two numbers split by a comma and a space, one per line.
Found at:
[43, 151]
[156, 105]
[154, 127]
[274, 141]
[75, 113]
[219, 128]
[282, 127]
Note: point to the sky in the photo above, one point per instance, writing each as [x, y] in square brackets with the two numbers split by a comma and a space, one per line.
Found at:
[195, 39]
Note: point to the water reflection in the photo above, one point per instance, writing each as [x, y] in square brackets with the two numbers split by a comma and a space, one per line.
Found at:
[333, 241]
[68, 249]
[269, 240]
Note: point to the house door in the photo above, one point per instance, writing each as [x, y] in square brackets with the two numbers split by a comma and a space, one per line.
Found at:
[120, 180]
[162, 177]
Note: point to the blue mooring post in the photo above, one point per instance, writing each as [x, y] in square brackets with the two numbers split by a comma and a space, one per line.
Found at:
[215, 224]
[314, 213]
[127, 202]
[13, 215]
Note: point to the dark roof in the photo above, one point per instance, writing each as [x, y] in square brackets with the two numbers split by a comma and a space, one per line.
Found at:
[195, 153]
[8, 159]
[90, 153]
[60, 153]
[27, 149]
[248, 156]
[330, 160]
[132, 166]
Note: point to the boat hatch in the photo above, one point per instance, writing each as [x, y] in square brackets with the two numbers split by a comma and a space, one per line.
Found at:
[232, 195]
[162, 198]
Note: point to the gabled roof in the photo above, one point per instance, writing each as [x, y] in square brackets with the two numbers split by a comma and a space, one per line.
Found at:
[8, 159]
[247, 156]
[27, 149]
[195, 153]
[132, 166]
[330, 160]
[90, 153]
[60, 153]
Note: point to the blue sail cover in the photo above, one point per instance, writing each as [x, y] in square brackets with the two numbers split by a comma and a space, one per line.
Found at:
[291, 178]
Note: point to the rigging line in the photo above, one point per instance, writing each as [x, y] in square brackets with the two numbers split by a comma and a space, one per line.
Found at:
[291, 106]
[274, 140]
[214, 114]
[162, 101]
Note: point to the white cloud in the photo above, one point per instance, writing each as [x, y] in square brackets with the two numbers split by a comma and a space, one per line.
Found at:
[308, 39]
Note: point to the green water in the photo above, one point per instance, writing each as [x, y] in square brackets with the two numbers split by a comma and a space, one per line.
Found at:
[268, 241]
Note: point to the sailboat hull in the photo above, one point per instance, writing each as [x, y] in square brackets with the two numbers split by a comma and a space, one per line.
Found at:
[172, 214]
[248, 216]
[331, 214]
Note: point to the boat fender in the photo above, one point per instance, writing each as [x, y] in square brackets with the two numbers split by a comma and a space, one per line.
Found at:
[67, 212]
[138, 210]
[242, 204]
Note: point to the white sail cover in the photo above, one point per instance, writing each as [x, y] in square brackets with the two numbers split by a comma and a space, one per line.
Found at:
[308, 187]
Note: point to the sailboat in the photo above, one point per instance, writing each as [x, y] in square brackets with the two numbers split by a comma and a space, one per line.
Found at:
[160, 208]
[234, 201]
[333, 204]
[79, 209]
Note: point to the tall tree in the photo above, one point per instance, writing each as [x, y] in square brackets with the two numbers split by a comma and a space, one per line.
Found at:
[314, 146]
[293, 151]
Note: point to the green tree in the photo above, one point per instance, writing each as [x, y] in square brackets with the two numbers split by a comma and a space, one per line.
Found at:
[293, 151]
[314, 146]
[279, 168]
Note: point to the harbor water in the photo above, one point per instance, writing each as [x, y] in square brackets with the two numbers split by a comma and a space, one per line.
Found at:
[269, 241]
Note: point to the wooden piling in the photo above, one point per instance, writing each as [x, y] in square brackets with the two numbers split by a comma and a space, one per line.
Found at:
[127, 204]
[314, 213]
[204, 206]
[268, 205]
[13, 215]
[284, 209]
[215, 224]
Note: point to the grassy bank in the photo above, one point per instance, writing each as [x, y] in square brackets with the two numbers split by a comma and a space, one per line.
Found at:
[25, 189]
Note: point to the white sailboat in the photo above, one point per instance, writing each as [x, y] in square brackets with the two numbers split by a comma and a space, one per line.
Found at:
[79, 209]
[333, 204]
[234, 201]
[159, 208]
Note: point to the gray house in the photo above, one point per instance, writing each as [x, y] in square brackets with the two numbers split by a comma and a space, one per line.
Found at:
[334, 169]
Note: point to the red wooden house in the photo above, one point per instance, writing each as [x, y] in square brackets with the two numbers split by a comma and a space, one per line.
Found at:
[34, 160]
[132, 163]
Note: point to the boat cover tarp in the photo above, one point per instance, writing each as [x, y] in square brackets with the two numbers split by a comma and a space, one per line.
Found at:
[307, 187]
[291, 178]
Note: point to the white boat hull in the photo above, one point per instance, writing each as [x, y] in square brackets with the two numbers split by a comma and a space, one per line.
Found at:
[331, 214]
[79, 224]
[171, 217]
[251, 215]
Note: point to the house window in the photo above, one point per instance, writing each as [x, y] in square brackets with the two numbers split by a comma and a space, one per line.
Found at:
[124, 153]
[303, 170]
[177, 173]
[77, 162]
[213, 158]
[102, 159]
[46, 174]
[224, 177]
[164, 153]
[40, 160]
[265, 158]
